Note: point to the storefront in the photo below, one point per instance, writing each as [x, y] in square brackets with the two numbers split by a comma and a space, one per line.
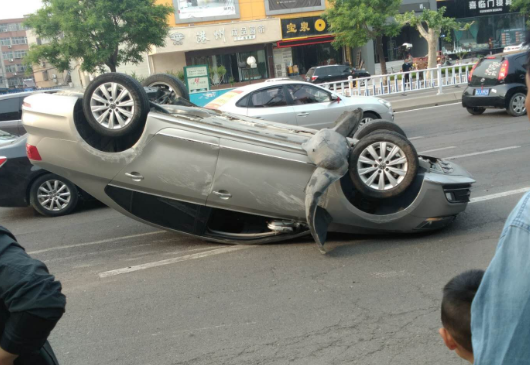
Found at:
[493, 26]
[306, 42]
[224, 47]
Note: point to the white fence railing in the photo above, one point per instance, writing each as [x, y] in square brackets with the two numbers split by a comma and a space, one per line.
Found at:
[400, 82]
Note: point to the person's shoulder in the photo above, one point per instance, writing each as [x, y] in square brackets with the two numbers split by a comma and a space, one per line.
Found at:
[520, 215]
[5, 232]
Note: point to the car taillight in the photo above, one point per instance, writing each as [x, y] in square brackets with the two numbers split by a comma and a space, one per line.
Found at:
[471, 73]
[313, 78]
[2, 160]
[33, 153]
[504, 70]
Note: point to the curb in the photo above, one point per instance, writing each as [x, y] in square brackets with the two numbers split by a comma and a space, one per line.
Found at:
[426, 101]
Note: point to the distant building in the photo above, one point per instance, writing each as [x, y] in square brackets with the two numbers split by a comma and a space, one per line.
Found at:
[13, 47]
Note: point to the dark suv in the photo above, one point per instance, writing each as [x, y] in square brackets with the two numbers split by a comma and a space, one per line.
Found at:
[497, 81]
[332, 73]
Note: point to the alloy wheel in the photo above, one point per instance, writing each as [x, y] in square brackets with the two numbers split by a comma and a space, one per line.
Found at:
[518, 104]
[112, 105]
[365, 120]
[382, 166]
[54, 195]
[166, 92]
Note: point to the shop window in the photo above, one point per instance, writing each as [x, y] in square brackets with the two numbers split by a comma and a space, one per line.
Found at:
[303, 94]
[268, 98]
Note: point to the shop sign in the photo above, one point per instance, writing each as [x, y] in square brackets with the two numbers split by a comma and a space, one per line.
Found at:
[304, 27]
[273, 7]
[177, 38]
[417, 7]
[485, 7]
[197, 78]
[191, 11]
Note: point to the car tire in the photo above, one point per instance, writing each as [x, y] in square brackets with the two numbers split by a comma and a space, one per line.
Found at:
[377, 125]
[476, 111]
[115, 105]
[53, 196]
[373, 174]
[516, 105]
[171, 86]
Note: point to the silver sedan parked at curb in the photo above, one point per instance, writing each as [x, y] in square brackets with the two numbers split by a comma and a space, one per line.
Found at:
[235, 179]
[298, 103]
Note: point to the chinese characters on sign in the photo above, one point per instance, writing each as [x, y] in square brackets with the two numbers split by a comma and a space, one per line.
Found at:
[220, 34]
[489, 6]
[244, 34]
[177, 38]
[303, 27]
[201, 37]
[196, 78]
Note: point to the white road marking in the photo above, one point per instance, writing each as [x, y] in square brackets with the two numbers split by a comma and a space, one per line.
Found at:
[438, 149]
[413, 138]
[498, 195]
[95, 242]
[429, 107]
[149, 265]
[482, 153]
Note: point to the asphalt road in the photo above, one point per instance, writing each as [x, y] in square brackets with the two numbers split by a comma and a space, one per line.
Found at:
[137, 295]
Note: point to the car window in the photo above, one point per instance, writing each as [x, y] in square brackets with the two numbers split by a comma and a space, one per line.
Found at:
[304, 94]
[519, 63]
[10, 109]
[243, 103]
[268, 98]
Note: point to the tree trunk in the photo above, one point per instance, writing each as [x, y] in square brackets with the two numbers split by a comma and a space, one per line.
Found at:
[112, 67]
[432, 40]
[381, 53]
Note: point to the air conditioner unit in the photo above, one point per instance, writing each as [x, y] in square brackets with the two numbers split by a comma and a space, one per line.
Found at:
[11, 60]
[9, 46]
[14, 73]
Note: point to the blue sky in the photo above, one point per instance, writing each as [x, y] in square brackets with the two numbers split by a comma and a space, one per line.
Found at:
[17, 9]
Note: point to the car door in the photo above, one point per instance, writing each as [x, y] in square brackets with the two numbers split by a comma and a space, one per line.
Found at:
[271, 104]
[176, 164]
[256, 179]
[314, 106]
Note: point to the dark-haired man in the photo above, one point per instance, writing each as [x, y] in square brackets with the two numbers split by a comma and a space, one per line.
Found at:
[31, 303]
[500, 313]
[458, 294]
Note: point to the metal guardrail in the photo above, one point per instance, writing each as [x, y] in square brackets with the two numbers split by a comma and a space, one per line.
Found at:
[396, 83]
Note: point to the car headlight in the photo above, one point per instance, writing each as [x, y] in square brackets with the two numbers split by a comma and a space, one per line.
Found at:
[385, 103]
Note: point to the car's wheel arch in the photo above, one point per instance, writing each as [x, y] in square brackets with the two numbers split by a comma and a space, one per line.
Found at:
[518, 89]
[372, 112]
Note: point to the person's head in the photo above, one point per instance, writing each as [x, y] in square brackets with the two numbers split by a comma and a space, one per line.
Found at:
[458, 294]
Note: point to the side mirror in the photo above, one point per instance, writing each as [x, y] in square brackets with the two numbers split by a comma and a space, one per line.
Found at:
[334, 98]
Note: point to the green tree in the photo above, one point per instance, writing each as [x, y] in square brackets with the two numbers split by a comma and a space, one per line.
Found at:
[523, 6]
[430, 24]
[100, 32]
[355, 22]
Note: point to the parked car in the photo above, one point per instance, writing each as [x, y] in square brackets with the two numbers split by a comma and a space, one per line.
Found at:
[332, 73]
[22, 184]
[236, 179]
[298, 103]
[497, 81]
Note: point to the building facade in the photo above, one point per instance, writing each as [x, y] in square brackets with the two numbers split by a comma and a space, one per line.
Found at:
[285, 37]
[493, 26]
[13, 49]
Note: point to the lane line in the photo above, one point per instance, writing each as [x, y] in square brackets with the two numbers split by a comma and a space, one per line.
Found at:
[498, 195]
[438, 149]
[95, 242]
[482, 153]
[149, 265]
[429, 107]
[413, 138]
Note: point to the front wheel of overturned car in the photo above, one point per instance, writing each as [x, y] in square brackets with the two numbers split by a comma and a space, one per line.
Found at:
[377, 125]
[476, 111]
[169, 88]
[53, 196]
[383, 165]
[115, 105]
[516, 105]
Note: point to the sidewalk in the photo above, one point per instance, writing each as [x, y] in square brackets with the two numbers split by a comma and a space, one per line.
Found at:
[425, 98]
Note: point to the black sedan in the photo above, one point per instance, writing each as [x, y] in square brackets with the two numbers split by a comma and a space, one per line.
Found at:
[22, 184]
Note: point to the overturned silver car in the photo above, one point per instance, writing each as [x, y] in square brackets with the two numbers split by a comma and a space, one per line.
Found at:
[234, 179]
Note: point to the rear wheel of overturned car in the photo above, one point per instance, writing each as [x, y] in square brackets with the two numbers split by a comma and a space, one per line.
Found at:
[516, 105]
[377, 125]
[115, 105]
[476, 111]
[169, 88]
[383, 165]
[53, 196]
